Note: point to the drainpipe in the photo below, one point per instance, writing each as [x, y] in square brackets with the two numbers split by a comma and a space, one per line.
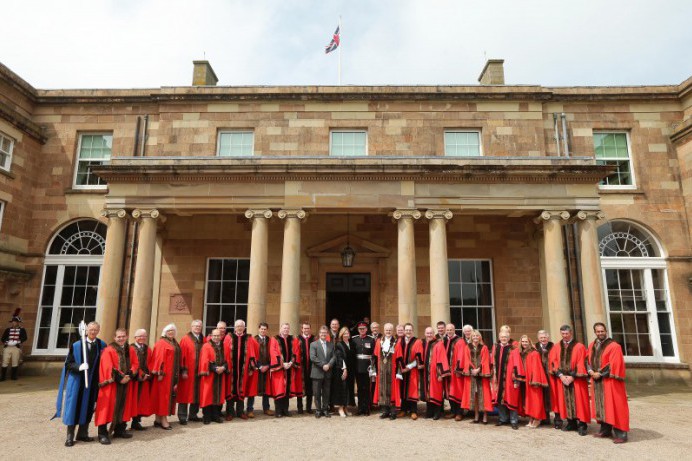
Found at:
[557, 132]
[135, 148]
[580, 289]
[564, 134]
[145, 128]
[130, 278]
[570, 284]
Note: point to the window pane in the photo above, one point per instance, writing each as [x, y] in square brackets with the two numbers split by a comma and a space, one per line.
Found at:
[226, 291]
[236, 144]
[462, 143]
[348, 143]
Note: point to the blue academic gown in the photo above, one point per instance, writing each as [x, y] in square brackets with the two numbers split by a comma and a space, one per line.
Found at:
[79, 403]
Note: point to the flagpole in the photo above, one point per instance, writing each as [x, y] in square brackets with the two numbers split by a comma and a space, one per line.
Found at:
[339, 49]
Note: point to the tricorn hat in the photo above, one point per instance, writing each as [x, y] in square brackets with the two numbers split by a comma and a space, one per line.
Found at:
[16, 317]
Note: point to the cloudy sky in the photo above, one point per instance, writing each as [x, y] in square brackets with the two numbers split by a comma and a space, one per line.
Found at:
[152, 43]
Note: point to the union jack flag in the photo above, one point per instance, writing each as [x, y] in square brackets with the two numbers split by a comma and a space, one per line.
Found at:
[334, 44]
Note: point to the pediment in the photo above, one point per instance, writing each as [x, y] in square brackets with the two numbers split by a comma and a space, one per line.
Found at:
[363, 248]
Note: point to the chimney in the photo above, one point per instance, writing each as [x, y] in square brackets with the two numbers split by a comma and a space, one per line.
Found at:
[493, 73]
[203, 74]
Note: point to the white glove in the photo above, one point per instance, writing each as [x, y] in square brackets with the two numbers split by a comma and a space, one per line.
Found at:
[412, 365]
[399, 376]
[84, 366]
[11, 343]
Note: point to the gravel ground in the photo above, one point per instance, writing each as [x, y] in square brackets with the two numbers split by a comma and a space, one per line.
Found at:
[659, 420]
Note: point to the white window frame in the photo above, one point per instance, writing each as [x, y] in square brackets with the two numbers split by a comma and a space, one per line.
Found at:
[77, 161]
[647, 265]
[61, 261]
[231, 132]
[2, 212]
[5, 166]
[206, 288]
[331, 139]
[632, 186]
[492, 296]
[463, 130]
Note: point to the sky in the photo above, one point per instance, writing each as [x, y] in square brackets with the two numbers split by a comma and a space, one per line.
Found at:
[152, 43]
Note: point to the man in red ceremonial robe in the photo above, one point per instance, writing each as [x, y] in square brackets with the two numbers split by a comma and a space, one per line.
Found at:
[214, 367]
[226, 340]
[387, 385]
[188, 388]
[433, 370]
[284, 351]
[456, 379]
[608, 394]
[409, 356]
[262, 372]
[452, 382]
[143, 379]
[117, 399]
[243, 379]
[568, 363]
[165, 365]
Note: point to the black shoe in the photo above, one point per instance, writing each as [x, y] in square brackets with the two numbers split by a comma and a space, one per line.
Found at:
[558, 425]
[300, 411]
[137, 426]
[122, 435]
[206, 420]
[183, 422]
[569, 428]
[85, 438]
[582, 431]
[318, 414]
[545, 422]
[436, 416]
[310, 412]
[392, 416]
[385, 415]
[515, 426]
[157, 424]
[327, 414]
[104, 440]
[278, 414]
[194, 419]
[218, 420]
[166, 428]
[500, 423]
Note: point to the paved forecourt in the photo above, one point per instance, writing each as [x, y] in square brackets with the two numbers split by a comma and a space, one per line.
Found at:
[660, 429]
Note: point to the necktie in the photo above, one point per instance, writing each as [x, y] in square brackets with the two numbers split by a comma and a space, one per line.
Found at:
[324, 348]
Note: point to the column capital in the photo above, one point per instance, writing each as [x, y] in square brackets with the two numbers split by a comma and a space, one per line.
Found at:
[251, 214]
[292, 213]
[406, 213]
[153, 214]
[117, 213]
[596, 215]
[548, 215]
[439, 214]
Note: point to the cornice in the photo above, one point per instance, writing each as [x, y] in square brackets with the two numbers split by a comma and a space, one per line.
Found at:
[22, 123]
[380, 169]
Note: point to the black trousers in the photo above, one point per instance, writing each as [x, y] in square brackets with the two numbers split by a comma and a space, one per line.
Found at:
[211, 412]
[364, 393]
[321, 390]
[183, 410]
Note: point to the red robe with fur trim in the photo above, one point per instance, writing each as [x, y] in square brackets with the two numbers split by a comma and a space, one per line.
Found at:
[572, 401]
[165, 364]
[285, 383]
[212, 386]
[395, 398]
[477, 357]
[608, 394]
[408, 354]
[116, 402]
[188, 388]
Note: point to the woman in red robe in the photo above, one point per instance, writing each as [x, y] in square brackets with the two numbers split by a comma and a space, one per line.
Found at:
[477, 373]
[527, 368]
[166, 367]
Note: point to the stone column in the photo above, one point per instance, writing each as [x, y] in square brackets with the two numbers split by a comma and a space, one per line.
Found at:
[257, 291]
[290, 269]
[111, 273]
[557, 290]
[439, 266]
[591, 274]
[142, 291]
[406, 260]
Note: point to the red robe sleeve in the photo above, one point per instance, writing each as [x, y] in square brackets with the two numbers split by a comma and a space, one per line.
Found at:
[297, 372]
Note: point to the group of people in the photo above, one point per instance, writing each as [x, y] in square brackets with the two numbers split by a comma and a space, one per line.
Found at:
[391, 370]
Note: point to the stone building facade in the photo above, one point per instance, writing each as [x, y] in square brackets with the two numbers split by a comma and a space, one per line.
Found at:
[484, 204]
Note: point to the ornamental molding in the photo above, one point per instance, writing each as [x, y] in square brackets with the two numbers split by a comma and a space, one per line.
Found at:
[406, 213]
[292, 213]
[439, 214]
[141, 214]
[117, 213]
[596, 215]
[252, 214]
[548, 215]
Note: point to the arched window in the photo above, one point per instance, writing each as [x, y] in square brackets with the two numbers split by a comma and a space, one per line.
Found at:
[70, 282]
[637, 295]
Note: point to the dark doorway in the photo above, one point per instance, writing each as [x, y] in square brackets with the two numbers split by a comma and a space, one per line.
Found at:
[348, 298]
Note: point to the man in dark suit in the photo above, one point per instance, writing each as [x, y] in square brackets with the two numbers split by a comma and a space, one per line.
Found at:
[323, 359]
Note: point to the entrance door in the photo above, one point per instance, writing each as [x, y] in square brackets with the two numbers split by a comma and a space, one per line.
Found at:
[348, 297]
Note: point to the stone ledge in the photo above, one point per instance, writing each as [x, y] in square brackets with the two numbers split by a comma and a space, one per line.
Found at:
[658, 366]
